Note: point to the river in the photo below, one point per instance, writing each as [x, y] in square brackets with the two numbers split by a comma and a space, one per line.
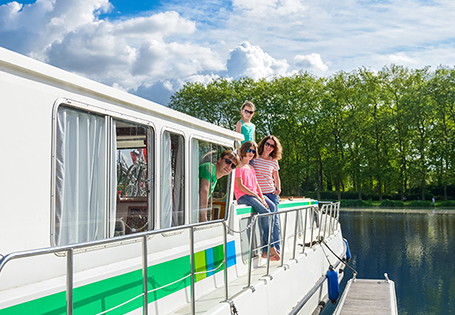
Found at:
[415, 248]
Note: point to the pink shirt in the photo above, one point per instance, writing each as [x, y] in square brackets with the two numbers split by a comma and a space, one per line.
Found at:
[248, 179]
[264, 170]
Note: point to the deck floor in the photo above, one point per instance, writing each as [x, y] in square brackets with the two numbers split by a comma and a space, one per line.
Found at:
[368, 297]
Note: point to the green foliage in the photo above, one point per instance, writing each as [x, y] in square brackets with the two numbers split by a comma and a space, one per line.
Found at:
[354, 203]
[420, 204]
[392, 204]
[449, 203]
[356, 135]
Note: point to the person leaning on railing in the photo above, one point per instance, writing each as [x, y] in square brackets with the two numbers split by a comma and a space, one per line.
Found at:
[209, 174]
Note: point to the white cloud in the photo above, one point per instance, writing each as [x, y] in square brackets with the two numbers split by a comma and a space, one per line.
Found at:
[131, 54]
[252, 61]
[161, 25]
[160, 51]
[312, 62]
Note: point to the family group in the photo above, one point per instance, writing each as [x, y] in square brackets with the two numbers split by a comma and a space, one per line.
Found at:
[257, 182]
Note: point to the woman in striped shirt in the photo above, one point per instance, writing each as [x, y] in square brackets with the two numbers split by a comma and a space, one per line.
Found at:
[266, 167]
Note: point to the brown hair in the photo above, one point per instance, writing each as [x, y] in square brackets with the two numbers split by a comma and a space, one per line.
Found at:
[245, 146]
[232, 155]
[276, 153]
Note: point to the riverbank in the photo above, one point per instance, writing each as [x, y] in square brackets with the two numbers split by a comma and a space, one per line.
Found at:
[400, 210]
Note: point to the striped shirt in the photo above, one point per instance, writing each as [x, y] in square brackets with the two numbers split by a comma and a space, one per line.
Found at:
[264, 170]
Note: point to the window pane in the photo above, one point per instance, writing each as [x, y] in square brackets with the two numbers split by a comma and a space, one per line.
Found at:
[210, 180]
[173, 201]
[81, 166]
[132, 213]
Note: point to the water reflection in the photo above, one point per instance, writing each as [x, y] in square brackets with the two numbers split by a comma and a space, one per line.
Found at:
[415, 249]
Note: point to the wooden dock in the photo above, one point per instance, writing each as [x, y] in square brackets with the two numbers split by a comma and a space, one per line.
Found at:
[368, 297]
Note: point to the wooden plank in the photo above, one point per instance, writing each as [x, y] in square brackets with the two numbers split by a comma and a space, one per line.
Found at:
[368, 297]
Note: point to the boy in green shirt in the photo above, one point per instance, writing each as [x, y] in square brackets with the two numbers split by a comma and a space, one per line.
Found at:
[209, 174]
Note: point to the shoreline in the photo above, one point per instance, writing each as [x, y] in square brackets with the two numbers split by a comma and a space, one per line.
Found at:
[401, 210]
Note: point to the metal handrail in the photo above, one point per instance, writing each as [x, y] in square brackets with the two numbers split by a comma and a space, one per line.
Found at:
[285, 212]
[69, 251]
[143, 236]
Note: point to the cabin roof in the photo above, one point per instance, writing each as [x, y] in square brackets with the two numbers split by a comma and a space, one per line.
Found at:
[62, 78]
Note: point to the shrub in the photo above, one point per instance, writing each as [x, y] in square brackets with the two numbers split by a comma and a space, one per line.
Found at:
[420, 204]
[392, 203]
[449, 203]
[353, 203]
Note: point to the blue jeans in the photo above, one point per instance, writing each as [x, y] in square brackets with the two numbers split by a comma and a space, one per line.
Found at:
[276, 232]
[263, 222]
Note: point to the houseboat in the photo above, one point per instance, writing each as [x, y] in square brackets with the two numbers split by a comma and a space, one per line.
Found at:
[100, 210]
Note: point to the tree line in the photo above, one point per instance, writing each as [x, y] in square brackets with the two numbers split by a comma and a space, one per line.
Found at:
[367, 134]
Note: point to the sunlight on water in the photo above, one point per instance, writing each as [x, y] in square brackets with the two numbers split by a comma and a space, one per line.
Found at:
[417, 250]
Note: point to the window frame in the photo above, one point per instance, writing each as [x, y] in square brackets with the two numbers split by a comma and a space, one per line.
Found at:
[193, 172]
[161, 188]
[109, 116]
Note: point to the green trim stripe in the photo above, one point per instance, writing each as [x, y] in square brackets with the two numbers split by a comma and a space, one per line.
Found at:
[97, 297]
[291, 204]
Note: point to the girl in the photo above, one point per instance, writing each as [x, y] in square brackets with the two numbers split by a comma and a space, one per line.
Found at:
[248, 192]
[244, 125]
[266, 167]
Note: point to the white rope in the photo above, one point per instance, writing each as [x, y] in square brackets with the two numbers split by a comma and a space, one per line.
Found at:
[121, 304]
[247, 227]
[162, 287]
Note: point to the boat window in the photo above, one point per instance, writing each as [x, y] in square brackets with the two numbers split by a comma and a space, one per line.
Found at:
[173, 180]
[81, 171]
[210, 182]
[102, 171]
[133, 154]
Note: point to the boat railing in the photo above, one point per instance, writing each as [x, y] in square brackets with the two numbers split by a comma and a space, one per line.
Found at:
[313, 212]
[322, 218]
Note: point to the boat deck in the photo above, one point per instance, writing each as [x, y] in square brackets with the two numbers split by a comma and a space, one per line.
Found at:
[368, 297]
[208, 301]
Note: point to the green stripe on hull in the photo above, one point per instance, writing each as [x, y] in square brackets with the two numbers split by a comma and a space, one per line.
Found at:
[248, 210]
[100, 296]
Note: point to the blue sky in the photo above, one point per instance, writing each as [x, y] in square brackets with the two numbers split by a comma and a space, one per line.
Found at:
[152, 48]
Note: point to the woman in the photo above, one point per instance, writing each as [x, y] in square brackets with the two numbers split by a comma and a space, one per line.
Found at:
[266, 167]
[248, 192]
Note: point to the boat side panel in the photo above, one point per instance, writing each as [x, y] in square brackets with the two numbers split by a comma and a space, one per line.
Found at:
[164, 279]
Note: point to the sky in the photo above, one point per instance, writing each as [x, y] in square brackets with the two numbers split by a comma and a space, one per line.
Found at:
[152, 48]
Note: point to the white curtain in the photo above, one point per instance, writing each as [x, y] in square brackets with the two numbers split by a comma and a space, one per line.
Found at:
[166, 203]
[80, 177]
[113, 181]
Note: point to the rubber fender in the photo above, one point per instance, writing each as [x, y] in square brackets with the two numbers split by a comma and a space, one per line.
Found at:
[334, 288]
[348, 251]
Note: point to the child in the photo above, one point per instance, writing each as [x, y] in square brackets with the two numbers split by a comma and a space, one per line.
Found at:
[248, 192]
[244, 125]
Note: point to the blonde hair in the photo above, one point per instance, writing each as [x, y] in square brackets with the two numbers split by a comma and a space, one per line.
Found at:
[248, 103]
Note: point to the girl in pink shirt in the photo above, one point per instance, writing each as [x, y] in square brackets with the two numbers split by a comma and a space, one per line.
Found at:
[248, 192]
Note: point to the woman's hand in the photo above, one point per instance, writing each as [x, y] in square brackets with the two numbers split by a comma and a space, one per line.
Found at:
[263, 202]
[277, 192]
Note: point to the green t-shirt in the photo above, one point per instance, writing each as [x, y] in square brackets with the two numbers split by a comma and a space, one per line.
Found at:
[208, 172]
[248, 131]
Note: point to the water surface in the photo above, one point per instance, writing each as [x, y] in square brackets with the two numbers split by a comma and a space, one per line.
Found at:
[416, 250]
